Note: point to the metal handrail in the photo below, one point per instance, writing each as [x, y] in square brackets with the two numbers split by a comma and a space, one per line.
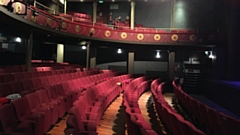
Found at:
[46, 7]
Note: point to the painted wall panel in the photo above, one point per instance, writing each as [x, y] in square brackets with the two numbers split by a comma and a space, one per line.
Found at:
[194, 14]
[81, 7]
[153, 14]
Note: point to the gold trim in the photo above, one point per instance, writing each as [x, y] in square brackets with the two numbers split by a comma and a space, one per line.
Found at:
[107, 33]
[34, 18]
[49, 21]
[123, 35]
[157, 37]
[1, 2]
[77, 28]
[193, 37]
[64, 25]
[174, 37]
[92, 30]
[140, 36]
[18, 7]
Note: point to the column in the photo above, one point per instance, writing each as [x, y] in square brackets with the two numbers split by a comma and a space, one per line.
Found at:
[132, 14]
[172, 14]
[171, 62]
[34, 3]
[65, 6]
[88, 55]
[93, 54]
[130, 63]
[60, 53]
[29, 53]
[94, 12]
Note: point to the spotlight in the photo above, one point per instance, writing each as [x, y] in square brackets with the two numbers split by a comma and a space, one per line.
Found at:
[206, 52]
[119, 51]
[18, 39]
[158, 54]
[211, 55]
[100, 1]
[84, 47]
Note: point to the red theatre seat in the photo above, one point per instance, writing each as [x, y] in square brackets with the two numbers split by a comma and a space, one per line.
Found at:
[24, 113]
[35, 106]
[10, 124]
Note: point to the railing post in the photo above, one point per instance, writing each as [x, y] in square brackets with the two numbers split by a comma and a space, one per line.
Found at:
[65, 6]
[88, 56]
[132, 14]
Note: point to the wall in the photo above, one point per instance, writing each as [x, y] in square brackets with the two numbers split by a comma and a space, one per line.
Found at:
[140, 67]
[75, 55]
[123, 10]
[52, 4]
[153, 14]
[82, 7]
[194, 14]
[11, 52]
[119, 66]
[227, 64]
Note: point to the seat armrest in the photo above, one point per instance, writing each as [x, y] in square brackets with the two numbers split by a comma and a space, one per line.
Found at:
[90, 125]
[27, 124]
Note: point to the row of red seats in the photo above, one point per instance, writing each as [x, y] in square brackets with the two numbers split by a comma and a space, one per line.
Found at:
[36, 112]
[10, 77]
[80, 15]
[87, 111]
[25, 86]
[82, 20]
[136, 125]
[42, 61]
[173, 121]
[35, 67]
[213, 121]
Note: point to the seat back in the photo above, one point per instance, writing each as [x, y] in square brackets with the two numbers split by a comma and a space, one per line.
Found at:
[33, 100]
[75, 119]
[5, 89]
[43, 96]
[21, 108]
[8, 118]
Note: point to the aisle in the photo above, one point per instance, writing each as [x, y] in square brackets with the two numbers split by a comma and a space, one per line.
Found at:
[113, 120]
[59, 127]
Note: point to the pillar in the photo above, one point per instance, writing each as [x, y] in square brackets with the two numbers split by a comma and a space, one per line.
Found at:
[88, 55]
[65, 6]
[132, 14]
[171, 62]
[34, 3]
[172, 13]
[60, 53]
[93, 54]
[94, 12]
[29, 53]
[130, 63]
